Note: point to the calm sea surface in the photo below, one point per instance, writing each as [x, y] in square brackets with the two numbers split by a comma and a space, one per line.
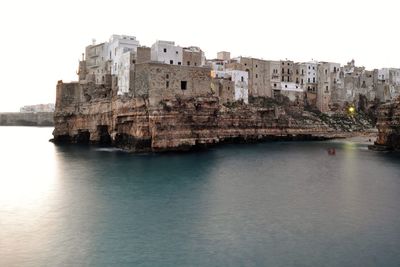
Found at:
[270, 204]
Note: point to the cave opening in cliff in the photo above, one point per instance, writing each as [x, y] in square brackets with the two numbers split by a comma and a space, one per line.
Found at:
[104, 136]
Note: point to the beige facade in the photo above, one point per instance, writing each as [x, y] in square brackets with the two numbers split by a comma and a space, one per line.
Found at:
[286, 71]
[224, 55]
[224, 88]
[192, 56]
[143, 54]
[299, 74]
[97, 65]
[260, 76]
[159, 81]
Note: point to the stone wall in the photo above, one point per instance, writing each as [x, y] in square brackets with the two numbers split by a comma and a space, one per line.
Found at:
[26, 119]
[157, 81]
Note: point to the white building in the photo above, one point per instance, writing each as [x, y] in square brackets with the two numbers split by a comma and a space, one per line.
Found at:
[125, 64]
[241, 80]
[119, 45]
[383, 74]
[167, 52]
[292, 90]
[311, 72]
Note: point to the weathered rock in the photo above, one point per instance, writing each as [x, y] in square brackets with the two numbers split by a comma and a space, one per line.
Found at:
[86, 113]
[388, 125]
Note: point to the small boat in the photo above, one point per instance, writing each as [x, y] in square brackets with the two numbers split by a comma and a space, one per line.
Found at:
[331, 151]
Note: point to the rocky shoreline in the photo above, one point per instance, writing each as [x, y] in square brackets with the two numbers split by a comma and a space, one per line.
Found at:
[179, 123]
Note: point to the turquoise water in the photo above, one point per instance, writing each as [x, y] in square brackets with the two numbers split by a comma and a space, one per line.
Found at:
[270, 204]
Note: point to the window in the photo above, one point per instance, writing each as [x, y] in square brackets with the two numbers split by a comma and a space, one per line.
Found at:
[309, 67]
[297, 80]
[288, 71]
[274, 84]
[183, 85]
[308, 79]
[133, 61]
[283, 79]
[326, 72]
[326, 88]
[195, 64]
[256, 66]
[297, 72]
[334, 69]
[302, 72]
[288, 64]
[179, 63]
[313, 79]
[242, 79]
[167, 76]
[188, 63]
[285, 85]
[301, 81]
[176, 52]
[313, 68]
[167, 84]
[288, 79]
[165, 50]
[245, 64]
[283, 70]
[171, 62]
[256, 75]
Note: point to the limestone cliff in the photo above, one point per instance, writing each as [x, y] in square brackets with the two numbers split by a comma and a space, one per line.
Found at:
[388, 125]
[88, 113]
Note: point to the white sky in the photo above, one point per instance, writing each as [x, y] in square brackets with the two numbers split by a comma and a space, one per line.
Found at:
[41, 41]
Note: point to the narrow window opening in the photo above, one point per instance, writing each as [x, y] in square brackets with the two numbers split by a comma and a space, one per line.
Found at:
[183, 85]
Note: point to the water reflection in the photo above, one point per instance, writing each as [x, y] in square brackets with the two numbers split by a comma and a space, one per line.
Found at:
[275, 204]
[28, 184]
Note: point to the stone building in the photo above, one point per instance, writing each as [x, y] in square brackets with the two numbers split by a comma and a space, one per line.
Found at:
[193, 56]
[328, 76]
[159, 81]
[299, 74]
[96, 63]
[224, 56]
[240, 79]
[287, 71]
[224, 88]
[259, 75]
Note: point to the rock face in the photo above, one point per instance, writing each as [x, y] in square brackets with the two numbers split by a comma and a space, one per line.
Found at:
[88, 113]
[388, 125]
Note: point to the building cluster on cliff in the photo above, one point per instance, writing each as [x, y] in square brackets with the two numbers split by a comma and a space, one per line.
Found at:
[168, 70]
